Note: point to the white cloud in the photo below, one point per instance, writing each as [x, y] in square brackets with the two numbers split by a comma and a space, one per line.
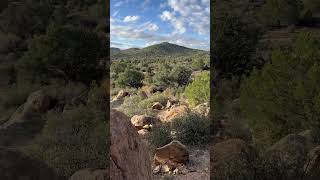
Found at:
[152, 27]
[131, 18]
[188, 13]
[183, 15]
[177, 23]
[167, 16]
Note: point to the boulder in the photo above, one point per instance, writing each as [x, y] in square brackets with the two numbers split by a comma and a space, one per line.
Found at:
[149, 90]
[312, 165]
[157, 106]
[143, 94]
[232, 157]
[173, 113]
[121, 94]
[37, 102]
[202, 109]
[171, 102]
[16, 165]
[90, 174]
[308, 135]
[171, 154]
[129, 157]
[143, 133]
[292, 148]
[140, 121]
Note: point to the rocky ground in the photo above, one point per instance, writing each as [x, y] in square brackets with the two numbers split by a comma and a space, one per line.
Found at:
[172, 161]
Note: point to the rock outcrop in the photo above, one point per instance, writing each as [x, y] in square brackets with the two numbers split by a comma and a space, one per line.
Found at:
[312, 165]
[141, 121]
[16, 165]
[37, 102]
[202, 109]
[157, 106]
[174, 112]
[90, 174]
[171, 102]
[232, 157]
[121, 94]
[129, 157]
[292, 148]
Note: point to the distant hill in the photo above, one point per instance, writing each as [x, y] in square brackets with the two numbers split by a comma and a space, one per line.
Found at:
[161, 50]
[114, 51]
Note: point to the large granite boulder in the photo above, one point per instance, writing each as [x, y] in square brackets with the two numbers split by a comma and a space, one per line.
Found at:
[173, 113]
[171, 154]
[15, 165]
[232, 157]
[129, 157]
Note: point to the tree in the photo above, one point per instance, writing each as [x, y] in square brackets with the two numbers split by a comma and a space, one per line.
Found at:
[118, 67]
[283, 97]
[232, 48]
[68, 53]
[161, 78]
[130, 78]
[26, 17]
[181, 75]
[198, 64]
[199, 90]
[280, 12]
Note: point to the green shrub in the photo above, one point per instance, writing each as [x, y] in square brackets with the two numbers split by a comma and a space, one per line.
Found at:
[73, 140]
[159, 136]
[283, 97]
[136, 104]
[130, 78]
[68, 53]
[199, 90]
[192, 129]
[118, 67]
[180, 75]
[162, 79]
[198, 64]
[280, 12]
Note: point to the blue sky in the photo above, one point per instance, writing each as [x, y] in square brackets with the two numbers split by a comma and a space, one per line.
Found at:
[141, 23]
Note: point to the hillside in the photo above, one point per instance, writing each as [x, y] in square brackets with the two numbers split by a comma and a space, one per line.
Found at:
[164, 49]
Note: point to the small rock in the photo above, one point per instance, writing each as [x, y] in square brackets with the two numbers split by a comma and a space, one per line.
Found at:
[165, 169]
[157, 169]
[148, 126]
[176, 171]
[143, 132]
[183, 170]
[157, 106]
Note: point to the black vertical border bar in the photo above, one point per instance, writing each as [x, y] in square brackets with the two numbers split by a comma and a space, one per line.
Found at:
[107, 98]
[212, 85]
